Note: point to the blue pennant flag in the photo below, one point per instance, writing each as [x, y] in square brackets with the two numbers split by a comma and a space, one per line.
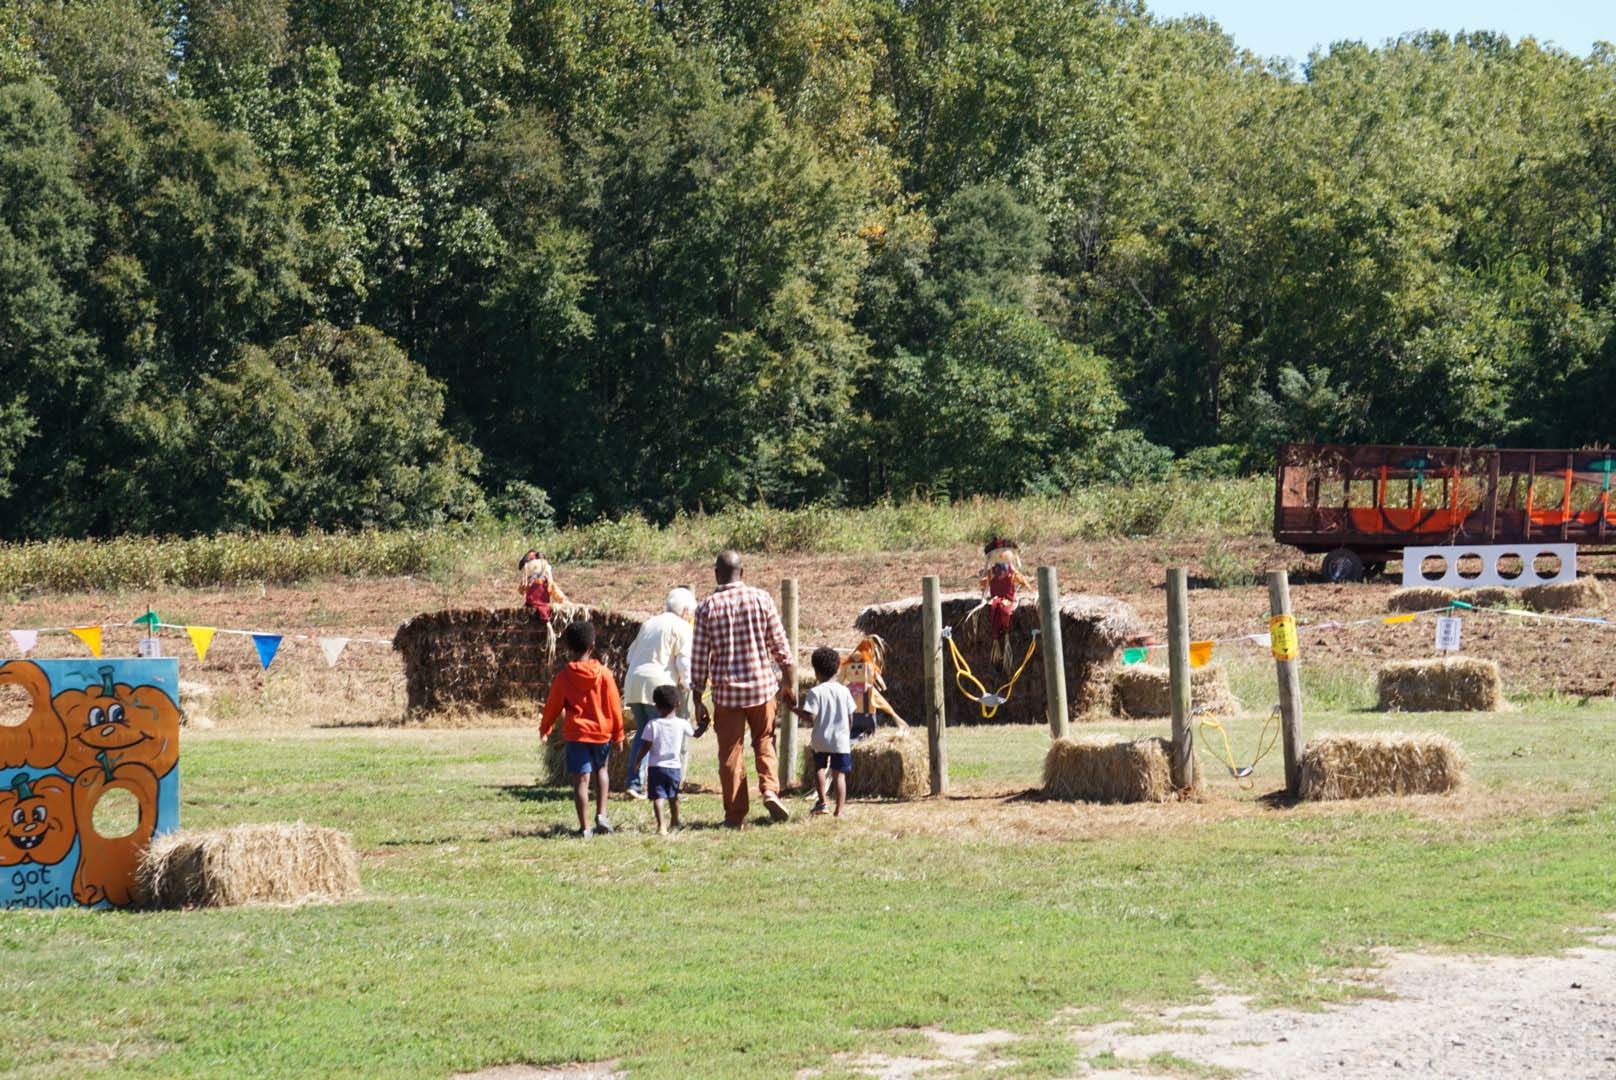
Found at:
[266, 645]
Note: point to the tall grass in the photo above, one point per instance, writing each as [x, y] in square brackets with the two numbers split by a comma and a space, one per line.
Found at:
[1202, 508]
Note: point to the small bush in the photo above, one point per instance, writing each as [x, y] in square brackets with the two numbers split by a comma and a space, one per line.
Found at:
[526, 507]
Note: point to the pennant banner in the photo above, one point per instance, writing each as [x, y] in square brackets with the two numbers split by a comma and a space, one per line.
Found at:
[333, 646]
[91, 636]
[201, 637]
[1200, 653]
[1392, 620]
[266, 645]
[150, 619]
[1135, 655]
[25, 640]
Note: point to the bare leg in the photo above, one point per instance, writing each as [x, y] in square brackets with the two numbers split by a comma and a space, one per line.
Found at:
[603, 787]
[580, 798]
[660, 806]
[673, 807]
[841, 792]
[819, 785]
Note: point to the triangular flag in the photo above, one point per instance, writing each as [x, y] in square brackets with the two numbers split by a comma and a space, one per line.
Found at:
[151, 620]
[332, 647]
[1392, 619]
[1135, 655]
[25, 641]
[1200, 653]
[91, 636]
[266, 645]
[1266, 641]
[201, 637]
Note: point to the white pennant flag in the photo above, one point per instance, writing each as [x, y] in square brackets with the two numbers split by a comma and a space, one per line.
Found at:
[25, 641]
[332, 647]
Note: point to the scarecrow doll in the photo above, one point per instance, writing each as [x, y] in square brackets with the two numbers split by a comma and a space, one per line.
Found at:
[861, 672]
[1001, 575]
[539, 589]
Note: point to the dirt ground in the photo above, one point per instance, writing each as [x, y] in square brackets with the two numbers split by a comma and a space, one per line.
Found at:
[366, 686]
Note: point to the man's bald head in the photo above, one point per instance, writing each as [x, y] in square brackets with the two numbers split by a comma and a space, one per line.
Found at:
[728, 567]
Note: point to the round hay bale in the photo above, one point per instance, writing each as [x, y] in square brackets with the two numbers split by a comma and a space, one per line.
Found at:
[1364, 766]
[248, 864]
[1451, 684]
[1490, 596]
[1142, 691]
[1583, 594]
[887, 765]
[1103, 768]
[555, 759]
[1419, 598]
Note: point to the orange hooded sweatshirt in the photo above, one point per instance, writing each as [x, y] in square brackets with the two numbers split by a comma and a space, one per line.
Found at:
[585, 694]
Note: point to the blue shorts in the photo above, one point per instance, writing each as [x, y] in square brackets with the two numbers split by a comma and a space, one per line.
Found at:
[662, 783]
[842, 763]
[587, 757]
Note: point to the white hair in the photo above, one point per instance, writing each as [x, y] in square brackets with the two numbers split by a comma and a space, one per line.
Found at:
[681, 601]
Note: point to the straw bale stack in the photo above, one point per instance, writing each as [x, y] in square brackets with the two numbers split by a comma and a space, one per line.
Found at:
[1103, 768]
[1450, 684]
[1140, 691]
[887, 765]
[248, 864]
[1364, 766]
[1491, 596]
[1093, 628]
[489, 658]
[1419, 598]
[1583, 594]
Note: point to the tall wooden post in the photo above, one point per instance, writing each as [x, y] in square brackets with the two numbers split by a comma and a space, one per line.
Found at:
[1054, 653]
[1185, 772]
[1290, 681]
[931, 654]
[788, 720]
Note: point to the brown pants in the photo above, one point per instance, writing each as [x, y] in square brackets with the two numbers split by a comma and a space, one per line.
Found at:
[731, 725]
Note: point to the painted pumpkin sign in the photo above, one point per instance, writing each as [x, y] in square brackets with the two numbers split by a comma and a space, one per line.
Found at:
[93, 732]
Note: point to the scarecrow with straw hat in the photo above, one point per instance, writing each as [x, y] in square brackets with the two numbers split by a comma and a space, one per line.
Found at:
[1001, 576]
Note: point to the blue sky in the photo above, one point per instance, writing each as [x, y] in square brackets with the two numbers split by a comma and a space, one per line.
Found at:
[1293, 27]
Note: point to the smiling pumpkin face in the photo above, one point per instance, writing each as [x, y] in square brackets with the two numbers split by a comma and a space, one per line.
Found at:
[37, 816]
[128, 724]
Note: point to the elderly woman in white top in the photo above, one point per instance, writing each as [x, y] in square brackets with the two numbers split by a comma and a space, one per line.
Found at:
[660, 656]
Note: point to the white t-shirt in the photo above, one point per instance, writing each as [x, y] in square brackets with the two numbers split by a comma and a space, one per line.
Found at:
[831, 706]
[660, 656]
[666, 736]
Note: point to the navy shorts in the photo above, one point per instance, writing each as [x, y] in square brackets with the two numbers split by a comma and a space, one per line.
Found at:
[842, 763]
[587, 757]
[662, 783]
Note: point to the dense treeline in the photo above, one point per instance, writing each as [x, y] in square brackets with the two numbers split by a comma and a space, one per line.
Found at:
[279, 263]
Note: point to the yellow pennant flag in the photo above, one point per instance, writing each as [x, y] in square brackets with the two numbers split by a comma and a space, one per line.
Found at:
[91, 636]
[1200, 653]
[201, 637]
[1390, 619]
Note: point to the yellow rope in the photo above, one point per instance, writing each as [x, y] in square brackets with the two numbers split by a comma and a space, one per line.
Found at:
[1266, 739]
[962, 671]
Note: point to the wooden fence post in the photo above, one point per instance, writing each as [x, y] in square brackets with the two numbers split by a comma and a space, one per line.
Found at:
[1185, 772]
[788, 719]
[1054, 652]
[1290, 682]
[931, 652]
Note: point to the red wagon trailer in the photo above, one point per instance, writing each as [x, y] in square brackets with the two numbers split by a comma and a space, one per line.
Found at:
[1361, 505]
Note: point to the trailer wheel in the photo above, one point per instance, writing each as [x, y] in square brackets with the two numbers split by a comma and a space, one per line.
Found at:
[1343, 564]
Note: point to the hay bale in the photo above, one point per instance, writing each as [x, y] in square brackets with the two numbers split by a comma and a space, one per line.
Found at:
[1451, 684]
[1490, 596]
[1364, 766]
[248, 864]
[1144, 690]
[1583, 594]
[555, 759]
[1102, 768]
[887, 765]
[1093, 629]
[491, 658]
[1419, 598]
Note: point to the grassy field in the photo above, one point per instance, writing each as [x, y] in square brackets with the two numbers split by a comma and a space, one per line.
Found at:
[487, 936]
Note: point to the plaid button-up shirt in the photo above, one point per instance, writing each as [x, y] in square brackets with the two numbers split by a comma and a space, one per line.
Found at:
[738, 639]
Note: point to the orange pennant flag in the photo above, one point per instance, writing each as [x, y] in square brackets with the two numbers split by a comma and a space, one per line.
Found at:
[201, 637]
[1390, 619]
[1200, 653]
[91, 636]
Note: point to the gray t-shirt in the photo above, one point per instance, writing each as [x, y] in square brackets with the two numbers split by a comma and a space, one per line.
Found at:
[831, 706]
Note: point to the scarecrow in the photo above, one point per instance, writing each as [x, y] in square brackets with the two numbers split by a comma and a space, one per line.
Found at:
[861, 671]
[1000, 577]
[539, 588]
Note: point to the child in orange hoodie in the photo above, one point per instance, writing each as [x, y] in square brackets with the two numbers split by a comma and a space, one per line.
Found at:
[585, 693]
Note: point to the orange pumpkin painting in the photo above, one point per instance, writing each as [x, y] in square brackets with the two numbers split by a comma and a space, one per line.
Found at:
[37, 815]
[37, 742]
[129, 724]
[106, 868]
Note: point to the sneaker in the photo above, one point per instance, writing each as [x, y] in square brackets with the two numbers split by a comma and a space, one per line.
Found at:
[635, 793]
[584, 834]
[602, 826]
[777, 809]
[819, 810]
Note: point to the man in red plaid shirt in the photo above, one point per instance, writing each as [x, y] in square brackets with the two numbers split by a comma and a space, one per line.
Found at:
[737, 641]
